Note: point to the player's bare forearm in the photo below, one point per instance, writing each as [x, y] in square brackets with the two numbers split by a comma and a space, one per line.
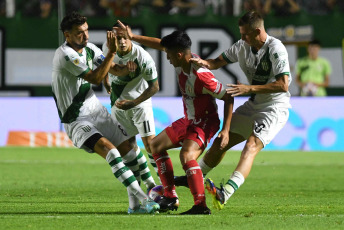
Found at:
[210, 63]
[152, 89]
[228, 110]
[216, 63]
[119, 70]
[97, 76]
[148, 41]
[280, 85]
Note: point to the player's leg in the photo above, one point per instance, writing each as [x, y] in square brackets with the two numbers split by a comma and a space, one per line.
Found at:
[188, 156]
[142, 161]
[144, 122]
[117, 136]
[159, 145]
[146, 141]
[267, 123]
[215, 154]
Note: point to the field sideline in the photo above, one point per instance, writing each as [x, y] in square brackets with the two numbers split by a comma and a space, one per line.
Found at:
[66, 188]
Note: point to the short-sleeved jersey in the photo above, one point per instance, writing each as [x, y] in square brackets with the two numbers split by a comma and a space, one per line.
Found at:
[199, 89]
[133, 85]
[314, 71]
[262, 67]
[73, 95]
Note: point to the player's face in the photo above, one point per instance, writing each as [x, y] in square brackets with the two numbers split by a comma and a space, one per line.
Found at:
[123, 43]
[313, 51]
[173, 57]
[77, 37]
[248, 35]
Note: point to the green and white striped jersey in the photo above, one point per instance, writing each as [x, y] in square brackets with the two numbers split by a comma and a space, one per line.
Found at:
[132, 86]
[73, 95]
[262, 67]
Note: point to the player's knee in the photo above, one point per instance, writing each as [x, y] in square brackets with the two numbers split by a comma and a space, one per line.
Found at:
[153, 146]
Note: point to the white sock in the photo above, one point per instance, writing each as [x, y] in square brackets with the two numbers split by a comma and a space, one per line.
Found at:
[204, 167]
[134, 203]
[144, 169]
[124, 174]
[234, 182]
[130, 161]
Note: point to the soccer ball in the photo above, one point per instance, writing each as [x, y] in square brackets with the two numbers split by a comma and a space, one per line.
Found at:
[156, 193]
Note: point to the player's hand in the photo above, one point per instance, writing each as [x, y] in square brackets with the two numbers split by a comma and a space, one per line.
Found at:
[199, 62]
[224, 137]
[238, 89]
[125, 104]
[131, 67]
[124, 29]
[111, 41]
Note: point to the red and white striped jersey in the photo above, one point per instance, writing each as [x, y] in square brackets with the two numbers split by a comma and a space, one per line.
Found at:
[199, 89]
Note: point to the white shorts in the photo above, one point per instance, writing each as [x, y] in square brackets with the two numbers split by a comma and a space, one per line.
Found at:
[98, 122]
[139, 120]
[265, 123]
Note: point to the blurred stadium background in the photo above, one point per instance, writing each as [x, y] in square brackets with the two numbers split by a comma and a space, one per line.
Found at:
[29, 35]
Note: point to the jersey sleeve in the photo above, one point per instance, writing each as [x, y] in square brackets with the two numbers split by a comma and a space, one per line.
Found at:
[75, 66]
[98, 56]
[279, 60]
[210, 85]
[148, 68]
[231, 55]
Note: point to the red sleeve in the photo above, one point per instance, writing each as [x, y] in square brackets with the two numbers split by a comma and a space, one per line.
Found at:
[208, 81]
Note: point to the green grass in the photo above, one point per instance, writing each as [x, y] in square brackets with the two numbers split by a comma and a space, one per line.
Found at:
[51, 188]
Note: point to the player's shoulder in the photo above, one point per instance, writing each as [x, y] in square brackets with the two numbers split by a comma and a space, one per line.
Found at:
[92, 46]
[66, 52]
[140, 51]
[274, 43]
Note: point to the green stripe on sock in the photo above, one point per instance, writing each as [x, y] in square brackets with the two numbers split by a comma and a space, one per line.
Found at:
[115, 161]
[120, 171]
[131, 163]
[233, 184]
[150, 156]
[140, 155]
[136, 174]
[128, 181]
[145, 176]
[143, 166]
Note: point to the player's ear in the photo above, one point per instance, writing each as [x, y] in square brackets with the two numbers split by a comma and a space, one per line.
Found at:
[66, 34]
[258, 31]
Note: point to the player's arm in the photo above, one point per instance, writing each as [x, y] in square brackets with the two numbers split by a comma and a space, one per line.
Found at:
[227, 118]
[153, 88]
[144, 40]
[210, 63]
[280, 85]
[96, 76]
[106, 84]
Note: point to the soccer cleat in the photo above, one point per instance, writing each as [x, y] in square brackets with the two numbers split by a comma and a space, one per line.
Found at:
[197, 210]
[167, 204]
[217, 194]
[150, 206]
[181, 181]
[138, 210]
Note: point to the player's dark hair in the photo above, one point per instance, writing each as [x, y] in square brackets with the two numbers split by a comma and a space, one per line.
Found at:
[176, 40]
[72, 19]
[252, 18]
[315, 42]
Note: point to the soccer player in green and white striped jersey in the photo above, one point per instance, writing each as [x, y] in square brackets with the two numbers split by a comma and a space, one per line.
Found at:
[131, 102]
[76, 64]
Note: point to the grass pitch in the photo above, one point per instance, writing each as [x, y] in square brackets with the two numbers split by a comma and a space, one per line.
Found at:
[58, 188]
